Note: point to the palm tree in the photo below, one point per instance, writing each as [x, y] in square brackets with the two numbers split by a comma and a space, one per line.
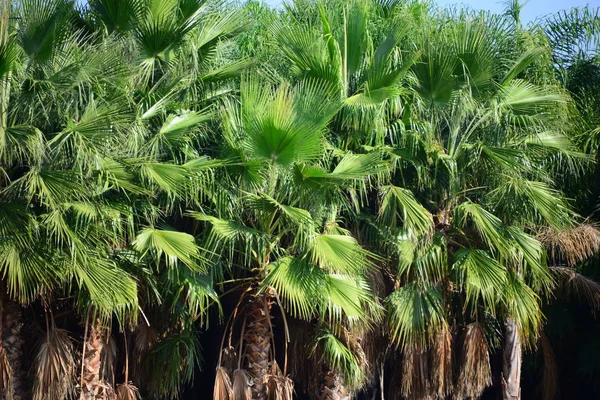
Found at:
[273, 221]
[465, 113]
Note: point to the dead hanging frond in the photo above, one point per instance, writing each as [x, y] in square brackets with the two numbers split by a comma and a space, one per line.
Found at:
[415, 374]
[109, 359]
[571, 245]
[145, 338]
[550, 377]
[303, 369]
[127, 391]
[279, 387]
[579, 286]
[476, 373]
[223, 389]
[242, 385]
[6, 376]
[54, 366]
[442, 362]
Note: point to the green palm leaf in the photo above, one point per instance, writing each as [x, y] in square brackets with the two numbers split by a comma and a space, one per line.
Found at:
[482, 277]
[340, 254]
[399, 203]
[415, 314]
[173, 245]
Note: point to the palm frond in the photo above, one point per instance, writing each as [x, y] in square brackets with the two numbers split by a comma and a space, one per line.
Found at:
[179, 355]
[415, 315]
[241, 385]
[350, 299]
[579, 286]
[442, 362]
[572, 244]
[339, 357]
[399, 203]
[54, 366]
[223, 389]
[481, 276]
[110, 289]
[340, 254]
[533, 254]
[523, 305]
[475, 373]
[285, 126]
[490, 227]
[298, 284]
[539, 204]
[173, 245]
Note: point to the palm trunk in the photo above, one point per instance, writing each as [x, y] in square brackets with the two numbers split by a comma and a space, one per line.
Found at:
[92, 385]
[257, 337]
[332, 387]
[511, 376]
[13, 347]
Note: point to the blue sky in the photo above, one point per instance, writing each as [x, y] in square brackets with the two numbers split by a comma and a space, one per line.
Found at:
[533, 9]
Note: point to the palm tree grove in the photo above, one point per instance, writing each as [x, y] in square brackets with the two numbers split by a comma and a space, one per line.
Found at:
[329, 199]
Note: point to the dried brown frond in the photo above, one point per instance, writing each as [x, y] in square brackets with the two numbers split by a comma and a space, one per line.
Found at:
[571, 245]
[223, 388]
[442, 362]
[475, 374]
[579, 286]
[229, 358]
[127, 391]
[54, 367]
[415, 374]
[241, 385]
[279, 387]
[354, 341]
[108, 392]
[145, 338]
[550, 374]
[109, 359]
[304, 369]
[6, 376]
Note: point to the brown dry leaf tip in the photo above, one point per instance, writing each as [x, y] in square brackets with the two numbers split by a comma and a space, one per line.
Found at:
[442, 362]
[582, 287]
[223, 389]
[475, 374]
[242, 383]
[550, 375]
[54, 366]
[145, 338]
[6, 386]
[572, 245]
[279, 387]
[415, 374]
[127, 391]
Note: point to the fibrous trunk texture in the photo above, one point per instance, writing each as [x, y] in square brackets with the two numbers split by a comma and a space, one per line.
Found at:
[92, 385]
[511, 375]
[332, 387]
[13, 346]
[257, 337]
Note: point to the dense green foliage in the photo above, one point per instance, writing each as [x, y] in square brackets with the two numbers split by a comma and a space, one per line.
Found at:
[339, 198]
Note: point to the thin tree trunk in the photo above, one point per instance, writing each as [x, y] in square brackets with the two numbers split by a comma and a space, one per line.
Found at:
[511, 376]
[13, 345]
[92, 385]
[332, 387]
[257, 337]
